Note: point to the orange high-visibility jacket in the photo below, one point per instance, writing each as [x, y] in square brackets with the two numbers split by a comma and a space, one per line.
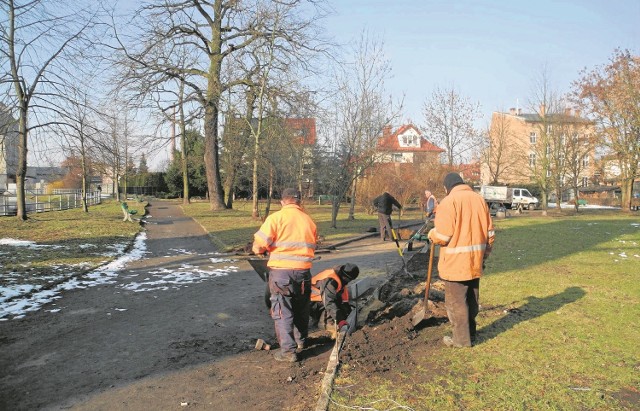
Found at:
[316, 293]
[464, 229]
[289, 236]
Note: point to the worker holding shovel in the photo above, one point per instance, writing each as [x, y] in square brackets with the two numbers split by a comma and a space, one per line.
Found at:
[464, 231]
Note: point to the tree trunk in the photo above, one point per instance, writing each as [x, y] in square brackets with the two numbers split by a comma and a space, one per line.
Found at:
[352, 206]
[255, 214]
[627, 190]
[229, 182]
[269, 193]
[335, 207]
[211, 156]
[85, 207]
[21, 172]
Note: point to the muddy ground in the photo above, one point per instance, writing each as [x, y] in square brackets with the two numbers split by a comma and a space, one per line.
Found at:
[192, 347]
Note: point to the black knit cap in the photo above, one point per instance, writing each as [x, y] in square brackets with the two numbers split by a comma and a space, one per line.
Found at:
[452, 180]
[291, 193]
[350, 271]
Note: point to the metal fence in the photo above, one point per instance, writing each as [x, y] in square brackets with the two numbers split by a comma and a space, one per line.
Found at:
[40, 203]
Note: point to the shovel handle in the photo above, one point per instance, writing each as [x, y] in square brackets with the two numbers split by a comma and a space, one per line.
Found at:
[432, 249]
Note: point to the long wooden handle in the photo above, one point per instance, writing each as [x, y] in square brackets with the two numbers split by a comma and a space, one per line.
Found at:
[432, 249]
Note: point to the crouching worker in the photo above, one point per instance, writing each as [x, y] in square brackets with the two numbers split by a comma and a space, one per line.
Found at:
[330, 297]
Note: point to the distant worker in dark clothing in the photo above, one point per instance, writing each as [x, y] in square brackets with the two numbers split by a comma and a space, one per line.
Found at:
[289, 236]
[464, 230]
[384, 205]
[330, 297]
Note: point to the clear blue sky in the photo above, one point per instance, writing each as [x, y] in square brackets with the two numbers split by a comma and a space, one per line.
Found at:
[490, 51]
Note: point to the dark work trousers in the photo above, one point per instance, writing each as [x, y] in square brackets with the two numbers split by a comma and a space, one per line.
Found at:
[290, 293]
[385, 226]
[461, 300]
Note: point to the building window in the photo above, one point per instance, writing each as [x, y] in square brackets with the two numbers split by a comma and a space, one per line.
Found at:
[585, 181]
[397, 157]
[409, 140]
[532, 159]
[533, 137]
[585, 161]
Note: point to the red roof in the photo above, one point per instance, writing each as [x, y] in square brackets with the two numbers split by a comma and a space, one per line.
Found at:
[303, 128]
[390, 142]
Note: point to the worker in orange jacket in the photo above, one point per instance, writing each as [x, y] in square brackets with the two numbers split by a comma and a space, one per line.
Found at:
[330, 297]
[464, 231]
[289, 236]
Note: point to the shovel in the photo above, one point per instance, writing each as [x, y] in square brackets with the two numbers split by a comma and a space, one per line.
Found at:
[425, 314]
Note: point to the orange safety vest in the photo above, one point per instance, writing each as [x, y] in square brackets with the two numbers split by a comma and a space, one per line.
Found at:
[289, 236]
[464, 229]
[316, 293]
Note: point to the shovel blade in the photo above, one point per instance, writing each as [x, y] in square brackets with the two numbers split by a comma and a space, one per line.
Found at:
[421, 316]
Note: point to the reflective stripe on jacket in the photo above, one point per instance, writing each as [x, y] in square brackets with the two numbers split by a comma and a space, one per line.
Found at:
[464, 229]
[289, 236]
[316, 292]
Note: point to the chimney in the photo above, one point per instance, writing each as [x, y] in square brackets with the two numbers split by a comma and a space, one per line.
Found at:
[542, 110]
[567, 111]
[577, 112]
[519, 111]
[512, 111]
[386, 131]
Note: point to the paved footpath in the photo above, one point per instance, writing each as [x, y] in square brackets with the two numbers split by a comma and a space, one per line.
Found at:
[173, 308]
[177, 307]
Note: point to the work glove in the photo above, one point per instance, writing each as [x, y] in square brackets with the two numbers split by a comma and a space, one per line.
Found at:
[432, 234]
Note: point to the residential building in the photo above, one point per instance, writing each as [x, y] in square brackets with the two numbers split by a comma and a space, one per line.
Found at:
[524, 146]
[407, 145]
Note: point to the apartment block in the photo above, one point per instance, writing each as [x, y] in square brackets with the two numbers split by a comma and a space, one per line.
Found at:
[524, 147]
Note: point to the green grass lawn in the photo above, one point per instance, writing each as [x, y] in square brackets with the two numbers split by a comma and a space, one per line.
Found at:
[560, 304]
[235, 228]
[68, 242]
[558, 328]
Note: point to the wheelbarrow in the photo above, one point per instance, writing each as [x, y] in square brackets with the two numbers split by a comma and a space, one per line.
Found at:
[260, 267]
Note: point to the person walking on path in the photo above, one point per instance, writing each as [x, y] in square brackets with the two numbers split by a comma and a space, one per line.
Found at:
[289, 236]
[464, 231]
[330, 297]
[384, 205]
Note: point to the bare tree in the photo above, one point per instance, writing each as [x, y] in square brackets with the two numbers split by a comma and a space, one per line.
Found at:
[499, 154]
[214, 33]
[235, 142]
[38, 39]
[359, 112]
[579, 146]
[546, 102]
[449, 123]
[611, 94]
[78, 128]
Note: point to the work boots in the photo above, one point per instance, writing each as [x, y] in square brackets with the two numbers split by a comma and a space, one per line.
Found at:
[285, 356]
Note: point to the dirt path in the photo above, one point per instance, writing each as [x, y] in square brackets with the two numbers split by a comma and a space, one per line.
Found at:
[142, 344]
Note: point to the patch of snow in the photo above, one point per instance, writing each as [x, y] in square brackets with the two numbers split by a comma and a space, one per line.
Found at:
[103, 275]
[162, 279]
